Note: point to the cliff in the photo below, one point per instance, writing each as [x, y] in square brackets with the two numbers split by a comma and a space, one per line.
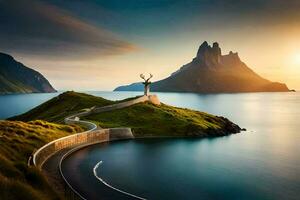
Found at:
[17, 78]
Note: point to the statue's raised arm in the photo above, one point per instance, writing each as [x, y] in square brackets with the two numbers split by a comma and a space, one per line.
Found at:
[146, 83]
[148, 80]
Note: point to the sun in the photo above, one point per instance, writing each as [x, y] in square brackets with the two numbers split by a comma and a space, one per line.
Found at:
[296, 59]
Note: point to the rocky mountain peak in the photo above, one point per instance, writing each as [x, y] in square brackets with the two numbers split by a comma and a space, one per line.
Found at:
[203, 48]
[233, 54]
[233, 57]
[209, 54]
[212, 72]
[215, 45]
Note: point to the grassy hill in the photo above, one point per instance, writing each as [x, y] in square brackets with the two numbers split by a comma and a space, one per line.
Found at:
[145, 119]
[57, 108]
[17, 141]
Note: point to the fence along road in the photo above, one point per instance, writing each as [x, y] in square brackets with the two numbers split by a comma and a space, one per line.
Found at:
[70, 143]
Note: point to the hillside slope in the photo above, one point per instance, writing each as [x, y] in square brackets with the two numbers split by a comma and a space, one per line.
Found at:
[17, 78]
[149, 120]
[145, 119]
[59, 107]
[17, 142]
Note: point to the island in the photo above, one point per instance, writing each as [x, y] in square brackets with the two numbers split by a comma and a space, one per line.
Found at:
[212, 72]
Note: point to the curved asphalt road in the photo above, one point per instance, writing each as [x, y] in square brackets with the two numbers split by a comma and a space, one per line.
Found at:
[73, 176]
[51, 166]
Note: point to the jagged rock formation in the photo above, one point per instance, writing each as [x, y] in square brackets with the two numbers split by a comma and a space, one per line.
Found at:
[17, 78]
[212, 72]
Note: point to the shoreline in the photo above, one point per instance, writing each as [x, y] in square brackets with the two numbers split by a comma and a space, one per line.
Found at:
[95, 135]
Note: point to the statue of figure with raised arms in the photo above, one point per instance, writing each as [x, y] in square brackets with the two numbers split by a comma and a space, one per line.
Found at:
[146, 83]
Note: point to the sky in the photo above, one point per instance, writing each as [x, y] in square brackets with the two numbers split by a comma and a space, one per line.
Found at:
[101, 44]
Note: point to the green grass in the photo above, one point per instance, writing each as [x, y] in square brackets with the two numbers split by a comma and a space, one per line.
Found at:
[19, 139]
[17, 142]
[56, 109]
[65, 104]
[147, 119]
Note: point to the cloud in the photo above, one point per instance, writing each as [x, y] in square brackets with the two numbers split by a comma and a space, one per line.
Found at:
[39, 29]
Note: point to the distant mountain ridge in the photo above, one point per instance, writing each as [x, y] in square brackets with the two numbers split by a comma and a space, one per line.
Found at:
[212, 72]
[17, 78]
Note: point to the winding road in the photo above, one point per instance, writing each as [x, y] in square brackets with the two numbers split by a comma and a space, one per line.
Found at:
[51, 156]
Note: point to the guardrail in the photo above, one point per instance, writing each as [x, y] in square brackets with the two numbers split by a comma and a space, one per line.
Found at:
[91, 136]
[109, 135]
[42, 154]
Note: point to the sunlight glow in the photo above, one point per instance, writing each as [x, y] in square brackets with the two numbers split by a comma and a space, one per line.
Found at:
[296, 59]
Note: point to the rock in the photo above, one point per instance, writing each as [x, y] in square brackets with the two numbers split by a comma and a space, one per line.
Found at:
[202, 49]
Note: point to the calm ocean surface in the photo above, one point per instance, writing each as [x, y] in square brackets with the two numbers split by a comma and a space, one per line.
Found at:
[262, 163]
